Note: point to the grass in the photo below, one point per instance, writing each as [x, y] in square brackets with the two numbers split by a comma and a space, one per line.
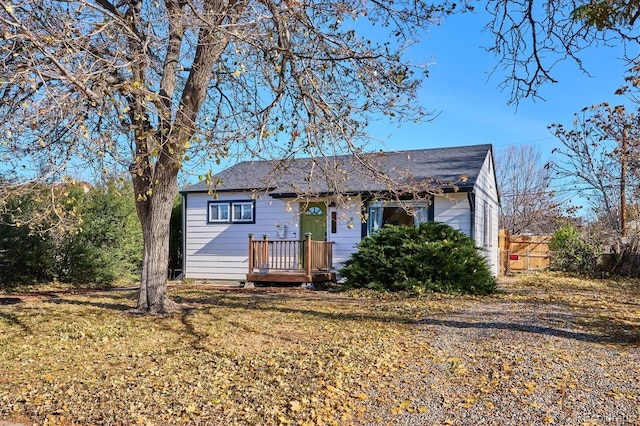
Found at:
[279, 356]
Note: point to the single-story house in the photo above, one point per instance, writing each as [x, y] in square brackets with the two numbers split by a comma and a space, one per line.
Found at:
[337, 200]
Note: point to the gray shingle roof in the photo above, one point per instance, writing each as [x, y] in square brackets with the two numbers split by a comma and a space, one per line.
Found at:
[354, 174]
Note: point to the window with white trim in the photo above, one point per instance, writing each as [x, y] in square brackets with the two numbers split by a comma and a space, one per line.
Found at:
[218, 212]
[380, 213]
[231, 212]
[242, 212]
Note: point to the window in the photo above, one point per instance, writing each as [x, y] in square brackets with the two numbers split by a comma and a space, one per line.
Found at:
[392, 213]
[218, 212]
[488, 224]
[314, 211]
[243, 212]
[231, 212]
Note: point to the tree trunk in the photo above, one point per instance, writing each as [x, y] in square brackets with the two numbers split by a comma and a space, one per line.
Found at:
[154, 212]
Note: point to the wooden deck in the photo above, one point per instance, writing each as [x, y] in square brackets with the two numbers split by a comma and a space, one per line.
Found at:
[290, 261]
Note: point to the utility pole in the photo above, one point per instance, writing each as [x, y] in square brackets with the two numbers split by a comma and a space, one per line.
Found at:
[623, 178]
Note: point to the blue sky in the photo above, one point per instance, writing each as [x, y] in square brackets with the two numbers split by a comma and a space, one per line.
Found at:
[473, 110]
[472, 107]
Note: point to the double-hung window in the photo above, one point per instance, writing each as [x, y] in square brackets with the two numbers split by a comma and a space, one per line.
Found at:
[218, 212]
[231, 212]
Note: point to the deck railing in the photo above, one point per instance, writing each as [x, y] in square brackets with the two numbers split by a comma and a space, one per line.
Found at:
[289, 255]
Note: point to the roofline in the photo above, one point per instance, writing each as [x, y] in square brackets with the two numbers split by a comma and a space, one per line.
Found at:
[448, 190]
[206, 191]
[455, 188]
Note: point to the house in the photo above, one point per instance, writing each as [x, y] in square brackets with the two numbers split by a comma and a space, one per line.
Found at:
[338, 200]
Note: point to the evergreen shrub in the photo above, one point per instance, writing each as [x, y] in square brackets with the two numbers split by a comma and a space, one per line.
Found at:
[431, 257]
[104, 246]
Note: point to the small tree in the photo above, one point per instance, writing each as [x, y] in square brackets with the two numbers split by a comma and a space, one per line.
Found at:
[572, 252]
[431, 257]
[595, 157]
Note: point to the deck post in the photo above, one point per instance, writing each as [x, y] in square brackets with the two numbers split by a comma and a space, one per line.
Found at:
[265, 253]
[307, 255]
[251, 255]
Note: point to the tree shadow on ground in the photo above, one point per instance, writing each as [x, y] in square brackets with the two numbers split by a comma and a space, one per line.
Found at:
[265, 305]
[12, 319]
[115, 306]
[536, 329]
[265, 302]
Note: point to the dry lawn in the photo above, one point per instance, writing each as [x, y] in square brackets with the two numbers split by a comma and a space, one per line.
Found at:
[547, 350]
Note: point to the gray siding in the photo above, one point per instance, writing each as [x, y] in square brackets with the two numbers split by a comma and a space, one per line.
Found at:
[454, 210]
[220, 251]
[348, 233]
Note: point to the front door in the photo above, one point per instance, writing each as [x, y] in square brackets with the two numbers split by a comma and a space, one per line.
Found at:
[314, 220]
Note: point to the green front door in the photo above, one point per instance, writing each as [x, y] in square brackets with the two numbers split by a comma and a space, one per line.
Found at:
[314, 220]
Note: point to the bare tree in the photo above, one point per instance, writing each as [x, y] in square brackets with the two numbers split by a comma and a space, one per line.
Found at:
[156, 86]
[528, 200]
[532, 36]
[598, 157]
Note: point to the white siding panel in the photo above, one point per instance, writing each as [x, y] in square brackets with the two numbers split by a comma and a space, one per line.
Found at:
[454, 210]
[348, 231]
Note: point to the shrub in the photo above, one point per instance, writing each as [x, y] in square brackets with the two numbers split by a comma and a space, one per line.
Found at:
[104, 245]
[431, 257]
[571, 252]
[108, 246]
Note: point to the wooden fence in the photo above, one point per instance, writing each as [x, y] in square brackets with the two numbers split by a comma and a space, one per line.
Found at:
[523, 253]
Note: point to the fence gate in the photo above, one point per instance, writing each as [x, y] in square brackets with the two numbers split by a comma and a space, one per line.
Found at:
[523, 253]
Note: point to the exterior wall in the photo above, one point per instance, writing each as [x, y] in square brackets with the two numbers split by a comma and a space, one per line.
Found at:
[486, 226]
[348, 231]
[453, 209]
[220, 251]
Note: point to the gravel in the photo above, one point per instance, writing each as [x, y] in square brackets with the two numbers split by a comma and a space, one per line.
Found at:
[525, 357]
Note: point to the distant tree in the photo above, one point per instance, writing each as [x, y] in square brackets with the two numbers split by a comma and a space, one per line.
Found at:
[528, 200]
[598, 156]
[108, 244]
[151, 85]
[175, 236]
[27, 254]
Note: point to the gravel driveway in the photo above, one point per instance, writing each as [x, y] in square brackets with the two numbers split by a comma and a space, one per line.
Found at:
[563, 355]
